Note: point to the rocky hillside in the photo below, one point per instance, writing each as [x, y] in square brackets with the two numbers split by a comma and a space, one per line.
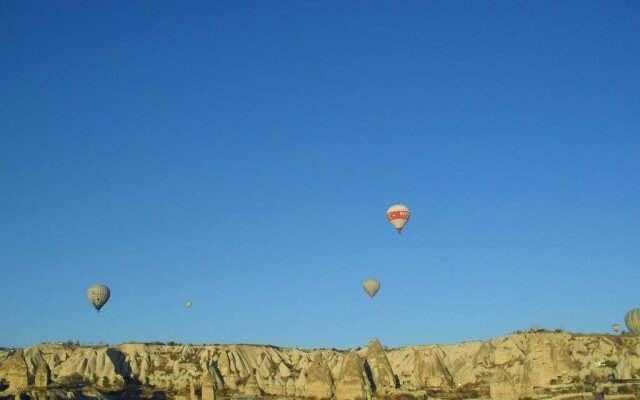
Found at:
[524, 365]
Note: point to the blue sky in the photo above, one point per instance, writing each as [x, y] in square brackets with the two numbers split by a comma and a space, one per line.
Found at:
[242, 155]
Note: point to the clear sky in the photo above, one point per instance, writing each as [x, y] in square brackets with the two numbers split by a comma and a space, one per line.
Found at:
[242, 155]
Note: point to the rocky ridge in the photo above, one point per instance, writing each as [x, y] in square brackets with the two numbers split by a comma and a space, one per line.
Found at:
[511, 367]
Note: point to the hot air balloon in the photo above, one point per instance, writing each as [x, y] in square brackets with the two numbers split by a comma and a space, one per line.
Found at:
[615, 327]
[98, 296]
[188, 304]
[398, 216]
[371, 286]
[632, 321]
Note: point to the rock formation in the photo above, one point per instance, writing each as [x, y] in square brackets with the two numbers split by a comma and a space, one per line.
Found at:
[422, 368]
[208, 385]
[43, 376]
[501, 387]
[521, 365]
[251, 387]
[318, 381]
[353, 383]
[192, 391]
[16, 372]
[378, 366]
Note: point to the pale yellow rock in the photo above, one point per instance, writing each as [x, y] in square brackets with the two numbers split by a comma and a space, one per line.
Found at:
[251, 387]
[431, 369]
[16, 373]
[223, 364]
[192, 391]
[502, 356]
[279, 385]
[290, 387]
[217, 377]
[43, 375]
[207, 384]
[264, 370]
[379, 365]
[271, 385]
[318, 381]
[421, 368]
[352, 383]
[532, 361]
[301, 384]
[232, 363]
[285, 372]
[232, 381]
[100, 365]
[502, 387]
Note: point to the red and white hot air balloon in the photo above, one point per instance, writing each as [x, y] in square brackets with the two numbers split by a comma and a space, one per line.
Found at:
[398, 216]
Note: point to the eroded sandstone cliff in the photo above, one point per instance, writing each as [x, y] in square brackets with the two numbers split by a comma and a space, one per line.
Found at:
[515, 366]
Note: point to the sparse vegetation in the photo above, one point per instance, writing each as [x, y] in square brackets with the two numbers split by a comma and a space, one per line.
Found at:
[469, 391]
[404, 397]
[73, 381]
[627, 389]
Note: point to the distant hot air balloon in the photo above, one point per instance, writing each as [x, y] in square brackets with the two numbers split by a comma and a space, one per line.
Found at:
[398, 216]
[615, 327]
[188, 304]
[632, 321]
[371, 286]
[98, 296]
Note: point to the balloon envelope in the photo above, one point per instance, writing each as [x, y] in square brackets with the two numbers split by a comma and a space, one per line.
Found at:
[98, 295]
[371, 286]
[398, 216]
[632, 321]
[615, 327]
[189, 304]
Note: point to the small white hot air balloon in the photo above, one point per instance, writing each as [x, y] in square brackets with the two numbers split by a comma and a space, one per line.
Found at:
[98, 296]
[615, 327]
[371, 286]
[188, 304]
[398, 216]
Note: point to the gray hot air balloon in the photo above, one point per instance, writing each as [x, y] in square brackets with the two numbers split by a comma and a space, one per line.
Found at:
[371, 286]
[98, 296]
